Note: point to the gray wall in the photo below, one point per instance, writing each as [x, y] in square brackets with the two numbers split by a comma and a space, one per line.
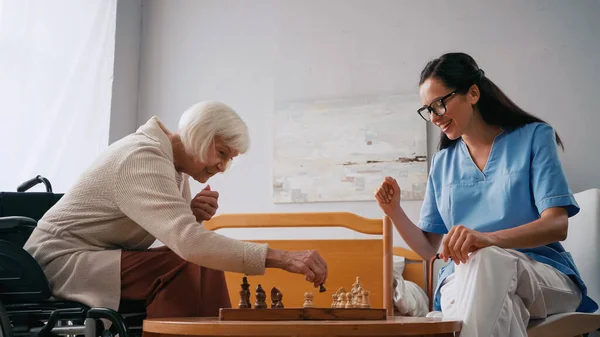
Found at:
[252, 55]
[123, 112]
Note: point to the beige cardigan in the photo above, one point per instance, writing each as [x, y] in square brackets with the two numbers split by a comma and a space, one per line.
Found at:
[131, 196]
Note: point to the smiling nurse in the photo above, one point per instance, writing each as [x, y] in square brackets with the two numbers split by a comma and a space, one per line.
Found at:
[498, 203]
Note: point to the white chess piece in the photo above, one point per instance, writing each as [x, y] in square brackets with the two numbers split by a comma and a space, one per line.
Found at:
[359, 298]
[349, 301]
[342, 300]
[308, 300]
[365, 300]
[334, 301]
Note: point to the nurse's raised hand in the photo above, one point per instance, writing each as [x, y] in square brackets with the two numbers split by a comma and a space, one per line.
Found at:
[388, 196]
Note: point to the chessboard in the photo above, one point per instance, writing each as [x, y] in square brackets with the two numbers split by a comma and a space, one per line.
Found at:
[302, 314]
[352, 305]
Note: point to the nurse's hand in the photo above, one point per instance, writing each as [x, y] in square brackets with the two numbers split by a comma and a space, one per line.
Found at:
[388, 196]
[461, 241]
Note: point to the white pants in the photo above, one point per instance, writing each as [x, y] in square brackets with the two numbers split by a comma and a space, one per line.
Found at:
[497, 291]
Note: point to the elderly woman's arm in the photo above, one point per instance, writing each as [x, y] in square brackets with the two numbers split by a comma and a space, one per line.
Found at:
[145, 190]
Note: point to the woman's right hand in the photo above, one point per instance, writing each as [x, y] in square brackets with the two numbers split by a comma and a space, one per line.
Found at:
[308, 263]
[388, 196]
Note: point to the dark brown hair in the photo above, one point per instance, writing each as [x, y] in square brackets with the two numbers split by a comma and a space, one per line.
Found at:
[459, 72]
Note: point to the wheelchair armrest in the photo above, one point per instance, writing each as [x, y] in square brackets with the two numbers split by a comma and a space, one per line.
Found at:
[22, 279]
[16, 229]
[11, 223]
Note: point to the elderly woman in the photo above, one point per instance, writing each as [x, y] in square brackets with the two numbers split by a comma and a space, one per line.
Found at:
[94, 243]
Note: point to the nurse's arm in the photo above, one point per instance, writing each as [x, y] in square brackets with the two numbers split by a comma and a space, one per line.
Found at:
[552, 226]
[425, 244]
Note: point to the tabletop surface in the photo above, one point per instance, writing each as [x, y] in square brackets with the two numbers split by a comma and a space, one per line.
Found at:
[392, 326]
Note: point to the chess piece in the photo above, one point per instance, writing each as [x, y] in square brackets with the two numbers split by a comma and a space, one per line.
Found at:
[261, 298]
[308, 300]
[274, 292]
[242, 303]
[354, 290]
[349, 301]
[365, 300]
[244, 294]
[322, 288]
[359, 298]
[279, 302]
[276, 297]
[342, 300]
[334, 300]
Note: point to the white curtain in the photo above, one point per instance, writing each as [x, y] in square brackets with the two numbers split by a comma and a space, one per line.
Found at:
[56, 72]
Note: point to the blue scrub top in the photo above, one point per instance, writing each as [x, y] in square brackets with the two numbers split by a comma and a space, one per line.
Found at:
[523, 177]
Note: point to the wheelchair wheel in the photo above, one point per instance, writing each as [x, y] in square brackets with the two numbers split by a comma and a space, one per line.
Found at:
[5, 324]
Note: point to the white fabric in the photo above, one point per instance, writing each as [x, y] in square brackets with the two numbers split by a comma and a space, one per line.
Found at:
[398, 265]
[584, 236]
[56, 66]
[409, 298]
[498, 291]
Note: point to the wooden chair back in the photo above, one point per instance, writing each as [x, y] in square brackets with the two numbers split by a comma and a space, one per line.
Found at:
[347, 259]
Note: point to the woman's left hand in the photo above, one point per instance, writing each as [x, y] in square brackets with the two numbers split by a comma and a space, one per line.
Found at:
[461, 241]
[205, 204]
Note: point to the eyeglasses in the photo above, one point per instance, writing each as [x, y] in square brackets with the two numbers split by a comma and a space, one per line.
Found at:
[437, 107]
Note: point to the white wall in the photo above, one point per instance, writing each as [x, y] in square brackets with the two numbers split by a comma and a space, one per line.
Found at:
[252, 55]
[128, 34]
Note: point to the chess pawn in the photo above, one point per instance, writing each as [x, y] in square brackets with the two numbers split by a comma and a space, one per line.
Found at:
[308, 300]
[260, 301]
[334, 297]
[365, 300]
[349, 301]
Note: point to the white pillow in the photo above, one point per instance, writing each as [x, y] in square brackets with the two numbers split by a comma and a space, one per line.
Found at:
[410, 299]
[398, 266]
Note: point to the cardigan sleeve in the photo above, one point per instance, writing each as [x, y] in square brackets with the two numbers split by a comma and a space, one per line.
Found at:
[146, 191]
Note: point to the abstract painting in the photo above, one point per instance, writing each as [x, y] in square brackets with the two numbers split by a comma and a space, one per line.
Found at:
[341, 150]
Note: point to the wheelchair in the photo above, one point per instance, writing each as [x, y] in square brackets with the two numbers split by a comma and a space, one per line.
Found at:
[26, 304]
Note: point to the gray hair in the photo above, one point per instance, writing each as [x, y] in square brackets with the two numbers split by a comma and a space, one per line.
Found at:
[202, 122]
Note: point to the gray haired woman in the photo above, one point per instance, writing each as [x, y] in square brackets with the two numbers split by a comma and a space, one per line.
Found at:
[94, 244]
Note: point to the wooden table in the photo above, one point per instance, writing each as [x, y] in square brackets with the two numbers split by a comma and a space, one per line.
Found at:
[393, 326]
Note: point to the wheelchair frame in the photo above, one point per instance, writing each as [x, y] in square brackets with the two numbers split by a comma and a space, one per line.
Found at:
[27, 308]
